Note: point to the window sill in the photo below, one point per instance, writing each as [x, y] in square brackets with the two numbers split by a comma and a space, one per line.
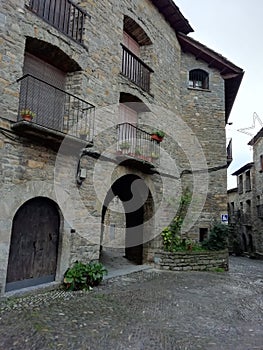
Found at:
[198, 89]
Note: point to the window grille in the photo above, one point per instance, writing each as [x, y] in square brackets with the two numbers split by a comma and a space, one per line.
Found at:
[198, 79]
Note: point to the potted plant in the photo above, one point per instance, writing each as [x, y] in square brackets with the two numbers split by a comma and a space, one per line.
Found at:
[154, 156]
[137, 151]
[83, 133]
[157, 135]
[27, 114]
[124, 145]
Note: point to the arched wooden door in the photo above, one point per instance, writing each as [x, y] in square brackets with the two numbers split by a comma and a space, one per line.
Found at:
[34, 244]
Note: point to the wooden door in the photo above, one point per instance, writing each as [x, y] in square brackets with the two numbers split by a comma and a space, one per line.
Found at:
[128, 119]
[34, 244]
[45, 97]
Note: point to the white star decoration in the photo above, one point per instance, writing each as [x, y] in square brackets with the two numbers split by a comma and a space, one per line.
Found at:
[253, 127]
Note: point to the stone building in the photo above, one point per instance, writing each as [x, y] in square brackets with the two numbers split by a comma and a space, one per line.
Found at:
[85, 173]
[245, 203]
[241, 210]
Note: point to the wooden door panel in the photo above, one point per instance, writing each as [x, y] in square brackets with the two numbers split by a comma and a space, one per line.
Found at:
[34, 241]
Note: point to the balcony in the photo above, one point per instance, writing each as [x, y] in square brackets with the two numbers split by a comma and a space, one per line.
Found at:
[56, 113]
[229, 153]
[135, 147]
[64, 15]
[135, 69]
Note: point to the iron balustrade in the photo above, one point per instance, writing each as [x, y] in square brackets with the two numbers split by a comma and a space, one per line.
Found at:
[135, 69]
[137, 143]
[56, 109]
[63, 15]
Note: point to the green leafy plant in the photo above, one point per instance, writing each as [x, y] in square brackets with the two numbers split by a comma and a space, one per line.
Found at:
[138, 151]
[159, 133]
[84, 276]
[26, 111]
[218, 237]
[125, 145]
[171, 234]
[154, 155]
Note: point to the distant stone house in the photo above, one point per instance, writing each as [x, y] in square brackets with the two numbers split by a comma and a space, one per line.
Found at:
[85, 173]
[240, 207]
[245, 204]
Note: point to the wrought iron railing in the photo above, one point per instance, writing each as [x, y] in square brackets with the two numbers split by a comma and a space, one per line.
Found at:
[56, 109]
[135, 69]
[137, 144]
[63, 15]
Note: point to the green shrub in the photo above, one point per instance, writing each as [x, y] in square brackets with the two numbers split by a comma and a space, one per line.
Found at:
[84, 276]
[171, 234]
[218, 238]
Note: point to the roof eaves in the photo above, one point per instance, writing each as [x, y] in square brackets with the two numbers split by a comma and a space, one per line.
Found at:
[243, 168]
[173, 15]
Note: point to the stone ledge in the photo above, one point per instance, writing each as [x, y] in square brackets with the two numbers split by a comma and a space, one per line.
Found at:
[198, 261]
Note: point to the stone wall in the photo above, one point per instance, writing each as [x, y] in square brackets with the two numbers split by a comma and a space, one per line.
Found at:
[257, 185]
[191, 261]
[192, 120]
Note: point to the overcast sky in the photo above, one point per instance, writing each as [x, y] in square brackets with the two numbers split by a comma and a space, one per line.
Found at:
[234, 28]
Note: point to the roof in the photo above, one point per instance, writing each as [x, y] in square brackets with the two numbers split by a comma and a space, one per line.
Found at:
[232, 190]
[231, 73]
[243, 168]
[173, 15]
[256, 137]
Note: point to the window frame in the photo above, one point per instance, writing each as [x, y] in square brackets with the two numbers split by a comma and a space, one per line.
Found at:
[198, 79]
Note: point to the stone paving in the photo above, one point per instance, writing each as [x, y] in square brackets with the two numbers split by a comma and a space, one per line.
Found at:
[148, 309]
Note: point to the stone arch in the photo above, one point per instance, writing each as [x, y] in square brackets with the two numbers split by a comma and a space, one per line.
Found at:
[33, 251]
[51, 54]
[131, 27]
[138, 207]
[10, 204]
[244, 242]
[250, 243]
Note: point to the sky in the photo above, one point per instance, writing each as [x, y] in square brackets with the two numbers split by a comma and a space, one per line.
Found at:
[234, 29]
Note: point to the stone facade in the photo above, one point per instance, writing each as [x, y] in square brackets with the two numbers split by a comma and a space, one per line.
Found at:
[192, 261]
[92, 189]
[245, 204]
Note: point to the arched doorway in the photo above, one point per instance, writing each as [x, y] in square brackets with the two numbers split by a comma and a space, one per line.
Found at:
[244, 242]
[137, 203]
[34, 244]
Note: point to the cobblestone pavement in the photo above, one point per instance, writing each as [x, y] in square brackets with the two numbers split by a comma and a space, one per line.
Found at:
[144, 310]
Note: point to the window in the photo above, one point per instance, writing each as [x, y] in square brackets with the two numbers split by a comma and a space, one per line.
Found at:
[198, 79]
[241, 206]
[248, 206]
[203, 234]
[240, 184]
[248, 181]
[232, 208]
[261, 163]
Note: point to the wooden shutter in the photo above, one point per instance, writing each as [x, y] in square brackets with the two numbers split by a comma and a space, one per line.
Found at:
[128, 115]
[131, 44]
[46, 101]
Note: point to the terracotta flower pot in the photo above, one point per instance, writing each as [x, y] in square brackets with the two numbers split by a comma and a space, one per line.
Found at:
[156, 138]
[27, 117]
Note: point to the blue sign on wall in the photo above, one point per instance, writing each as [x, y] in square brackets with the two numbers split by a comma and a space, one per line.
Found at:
[224, 218]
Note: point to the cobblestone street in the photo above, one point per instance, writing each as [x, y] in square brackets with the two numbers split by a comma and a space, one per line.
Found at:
[144, 310]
